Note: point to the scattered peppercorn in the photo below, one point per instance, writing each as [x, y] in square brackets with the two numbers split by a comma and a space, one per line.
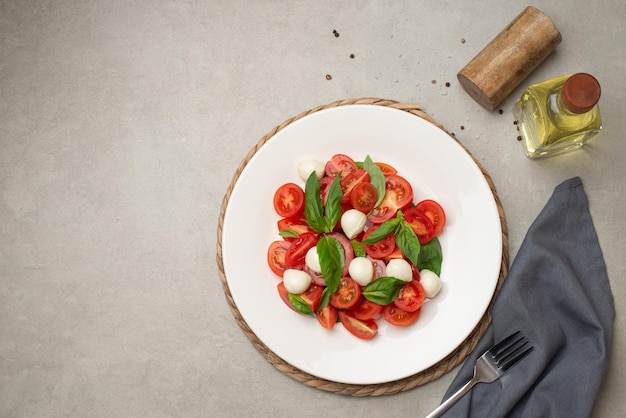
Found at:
[352, 56]
[434, 81]
[329, 77]
[514, 122]
[462, 127]
[500, 111]
[447, 84]
[519, 138]
[336, 33]
[462, 40]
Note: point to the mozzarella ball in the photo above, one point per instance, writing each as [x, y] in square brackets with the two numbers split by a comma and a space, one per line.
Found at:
[400, 269]
[353, 222]
[312, 260]
[306, 167]
[296, 281]
[430, 282]
[361, 270]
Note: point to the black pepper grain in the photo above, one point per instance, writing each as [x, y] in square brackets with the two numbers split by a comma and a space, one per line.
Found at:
[519, 138]
[335, 33]
[352, 56]
[447, 84]
[462, 40]
[500, 111]
[462, 127]
[514, 122]
[329, 77]
[434, 81]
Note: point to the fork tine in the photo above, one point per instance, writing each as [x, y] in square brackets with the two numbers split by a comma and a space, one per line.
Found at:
[508, 352]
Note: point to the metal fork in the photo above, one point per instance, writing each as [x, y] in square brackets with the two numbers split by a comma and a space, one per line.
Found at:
[490, 366]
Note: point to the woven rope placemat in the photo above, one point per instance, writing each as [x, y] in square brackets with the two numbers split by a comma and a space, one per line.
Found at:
[388, 388]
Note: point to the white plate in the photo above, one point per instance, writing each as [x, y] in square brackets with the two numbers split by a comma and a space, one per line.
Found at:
[438, 168]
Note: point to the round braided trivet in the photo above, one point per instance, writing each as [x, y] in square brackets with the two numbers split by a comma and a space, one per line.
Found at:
[411, 382]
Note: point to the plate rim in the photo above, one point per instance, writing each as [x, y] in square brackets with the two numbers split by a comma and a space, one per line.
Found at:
[431, 373]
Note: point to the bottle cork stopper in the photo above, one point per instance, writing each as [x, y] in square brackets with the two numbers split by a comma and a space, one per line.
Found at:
[513, 54]
[580, 92]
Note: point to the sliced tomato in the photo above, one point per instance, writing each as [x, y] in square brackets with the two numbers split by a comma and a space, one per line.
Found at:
[349, 182]
[399, 317]
[296, 226]
[284, 295]
[312, 296]
[327, 316]
[276, 257]
[382, 248]
[397, 253]
[298, 248]
[348, 294]
[367, 310]
[386, 168]
[365, 330]
[411, 297]
[348, 251]
[420, 224]
[289, 200]
[435, 213]
[363, 197]
[340, 163]
[398, 195]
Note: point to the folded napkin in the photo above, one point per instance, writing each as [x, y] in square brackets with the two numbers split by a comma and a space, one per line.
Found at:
[557, 293]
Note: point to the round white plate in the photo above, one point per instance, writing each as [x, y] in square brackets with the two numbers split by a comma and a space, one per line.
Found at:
[438, 168]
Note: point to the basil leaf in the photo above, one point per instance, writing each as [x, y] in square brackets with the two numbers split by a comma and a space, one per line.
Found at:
[333, 204]
[325, 299]
[332, 259]
[313, 210]
[299, 303]
[383, 231]
[383, 290]
[431, 256]
[377, 178]
[359, 251]
[407, 241]
[288, 233]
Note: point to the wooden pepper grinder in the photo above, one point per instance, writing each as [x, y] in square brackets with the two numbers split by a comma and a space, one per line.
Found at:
[492, 74]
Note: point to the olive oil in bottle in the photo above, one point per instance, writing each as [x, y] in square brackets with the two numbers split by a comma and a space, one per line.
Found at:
[558, 115]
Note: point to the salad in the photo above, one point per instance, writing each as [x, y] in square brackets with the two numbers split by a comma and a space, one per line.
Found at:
[354, 247]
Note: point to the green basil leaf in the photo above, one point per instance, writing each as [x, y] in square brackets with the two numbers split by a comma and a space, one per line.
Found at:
[407, 241]
[325, 299]
[383, 290]
[359, 251]
[431, 256]
[299, 303]
[377, 178]
[288, 233]
[332, 259]
[313, 209]
[333, 204]
[383, 231]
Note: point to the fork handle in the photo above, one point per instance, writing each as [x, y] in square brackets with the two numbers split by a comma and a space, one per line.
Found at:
[453, 399]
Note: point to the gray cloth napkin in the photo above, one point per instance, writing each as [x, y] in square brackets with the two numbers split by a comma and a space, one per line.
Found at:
[557, 293]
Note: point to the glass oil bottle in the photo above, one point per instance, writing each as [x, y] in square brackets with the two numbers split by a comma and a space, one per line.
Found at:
[558, 115]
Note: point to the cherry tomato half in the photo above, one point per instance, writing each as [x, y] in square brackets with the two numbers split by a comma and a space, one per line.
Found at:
[420, 224]
[340, 162]
[276, 257]
[289, 200]
[365, 330]
[398, 317]
[349, 182]
[327, 316]
[294, 225]
[398, 195]
[284, 295]
[312, 296]
[382, 248]
[411, 297]
[435, 213]
[386, 168]
[298, 248]
[348, 294]
[363, 197]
